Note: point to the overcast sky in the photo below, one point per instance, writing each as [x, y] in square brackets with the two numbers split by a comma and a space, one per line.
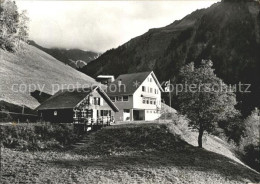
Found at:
[99, 26]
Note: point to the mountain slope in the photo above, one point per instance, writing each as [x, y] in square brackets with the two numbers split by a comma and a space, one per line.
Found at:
[228, 33]
[31, 70]
[76, 58]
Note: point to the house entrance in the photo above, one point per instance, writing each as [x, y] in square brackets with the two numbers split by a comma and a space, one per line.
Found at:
[126, 115]
[138, 115]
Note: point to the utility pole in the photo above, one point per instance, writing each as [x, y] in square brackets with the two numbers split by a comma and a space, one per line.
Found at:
[1, 154]
[23, 110]
[170, 97]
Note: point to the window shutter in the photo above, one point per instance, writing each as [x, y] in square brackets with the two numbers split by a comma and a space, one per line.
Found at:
[90, 113]
[75, 113]
[90, 100]
[87, 113]
[101, 101]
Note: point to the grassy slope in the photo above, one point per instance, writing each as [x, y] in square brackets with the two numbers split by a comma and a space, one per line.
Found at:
[135, 153]
[34, 67]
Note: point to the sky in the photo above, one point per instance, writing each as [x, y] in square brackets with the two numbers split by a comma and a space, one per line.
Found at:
[100, 25]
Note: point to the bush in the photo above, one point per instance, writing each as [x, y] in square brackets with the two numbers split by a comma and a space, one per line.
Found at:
[37, 136]
[251, 156]
[249, 144]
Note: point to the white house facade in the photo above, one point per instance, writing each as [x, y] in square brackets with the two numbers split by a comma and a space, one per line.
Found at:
[137, 96]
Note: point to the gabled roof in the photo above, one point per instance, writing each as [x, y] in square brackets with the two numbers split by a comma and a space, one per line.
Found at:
[108, 100]
[130, 83]
[70, 98]
[65, 99]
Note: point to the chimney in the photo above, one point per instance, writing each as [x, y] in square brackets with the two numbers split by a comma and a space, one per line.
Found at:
[119, 82]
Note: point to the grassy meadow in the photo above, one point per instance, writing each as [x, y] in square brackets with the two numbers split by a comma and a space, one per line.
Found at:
[129, 153]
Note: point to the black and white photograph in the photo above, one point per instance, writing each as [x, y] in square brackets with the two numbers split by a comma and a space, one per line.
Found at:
[130, 91]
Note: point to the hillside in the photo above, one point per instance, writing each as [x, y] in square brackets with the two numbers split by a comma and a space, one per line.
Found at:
[228, 33]
[76, 58]
[131, 153]
[9, 107]
[38, 69]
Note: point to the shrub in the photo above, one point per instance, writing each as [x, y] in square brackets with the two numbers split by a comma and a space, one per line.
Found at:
[251, 156]
[249, 144]
[37, 136]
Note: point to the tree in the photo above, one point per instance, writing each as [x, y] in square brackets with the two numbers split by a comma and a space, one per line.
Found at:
[251, 129]
[22, 28]
[13, 26]
[234, 128]
[8, 24]
[249, 145]
[205, 98]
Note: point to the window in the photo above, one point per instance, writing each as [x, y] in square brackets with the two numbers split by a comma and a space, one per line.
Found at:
[55, 113]
[83, 113]
[151, 102]
[90, 113]
[96, 101]
[144, 100]
[151, 80]
[120, 98]
[125, 98]
[105, 113]
[143, 88]
[113, 99]
[127, 110]
[154, 102]
[147, 101]
[151, 90]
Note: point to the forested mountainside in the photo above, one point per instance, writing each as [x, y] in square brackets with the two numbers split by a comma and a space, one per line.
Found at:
[76, 58]
[228, 33]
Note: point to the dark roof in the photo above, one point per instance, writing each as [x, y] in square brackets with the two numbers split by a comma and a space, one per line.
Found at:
[40, 96]
[65, 99]
[107, 99]
[128, 82]
[70, 98]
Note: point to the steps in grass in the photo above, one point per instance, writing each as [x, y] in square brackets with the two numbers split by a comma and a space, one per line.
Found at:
[85, 140]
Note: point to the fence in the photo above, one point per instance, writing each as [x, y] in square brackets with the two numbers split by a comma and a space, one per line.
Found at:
[6, 116]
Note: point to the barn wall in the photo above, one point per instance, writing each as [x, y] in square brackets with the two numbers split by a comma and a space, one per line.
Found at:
[63, 115]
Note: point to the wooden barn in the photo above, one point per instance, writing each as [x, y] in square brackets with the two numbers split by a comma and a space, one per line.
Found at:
[88, 106]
